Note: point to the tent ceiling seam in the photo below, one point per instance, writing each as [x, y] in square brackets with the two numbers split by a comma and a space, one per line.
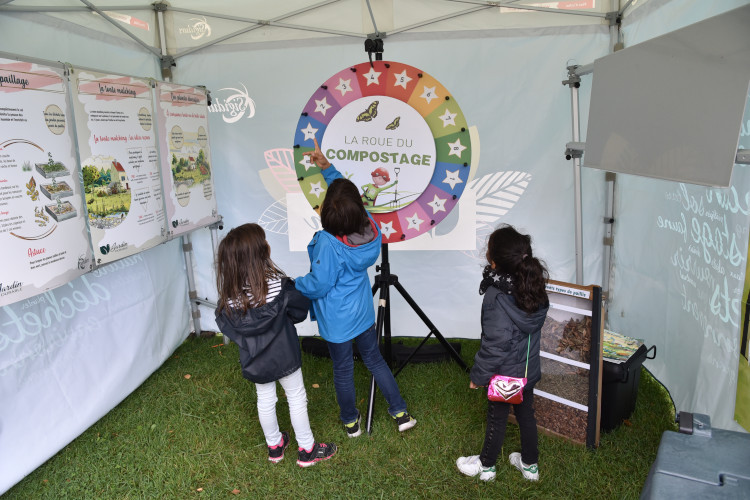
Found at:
[94, 8]
[513, 5]
[257, 25]
[56, 8]
[439, 19]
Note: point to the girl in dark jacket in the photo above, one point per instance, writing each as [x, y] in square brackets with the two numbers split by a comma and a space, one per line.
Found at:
[513, 311]
[257, 309]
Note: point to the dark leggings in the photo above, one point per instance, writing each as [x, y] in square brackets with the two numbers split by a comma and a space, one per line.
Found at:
[497, 419]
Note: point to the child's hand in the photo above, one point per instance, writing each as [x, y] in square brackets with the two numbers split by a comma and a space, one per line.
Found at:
[472, 385]
[317, 157]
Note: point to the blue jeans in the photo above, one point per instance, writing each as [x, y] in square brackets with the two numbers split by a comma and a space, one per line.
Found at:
[343, 374]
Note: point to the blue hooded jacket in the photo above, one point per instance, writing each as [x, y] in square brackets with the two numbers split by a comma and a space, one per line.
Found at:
[338, 284]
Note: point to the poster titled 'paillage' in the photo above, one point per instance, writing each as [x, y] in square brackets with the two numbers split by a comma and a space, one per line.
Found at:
[119, 162]
[42, 222]
[186, 161]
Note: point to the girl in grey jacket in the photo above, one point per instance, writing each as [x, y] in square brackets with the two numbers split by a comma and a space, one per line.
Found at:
[513, 311]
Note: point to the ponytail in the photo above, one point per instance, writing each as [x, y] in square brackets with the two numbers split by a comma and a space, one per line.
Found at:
[511, 253]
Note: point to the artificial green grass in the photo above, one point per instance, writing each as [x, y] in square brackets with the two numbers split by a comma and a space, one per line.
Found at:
[191, 431]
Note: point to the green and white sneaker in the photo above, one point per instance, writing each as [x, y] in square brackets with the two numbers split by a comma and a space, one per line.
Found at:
[353, 429]
[404, 421]
[530, 472]
[471, 466]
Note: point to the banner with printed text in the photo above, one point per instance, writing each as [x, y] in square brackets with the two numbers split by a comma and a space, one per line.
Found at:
[119, 160]
[182, 120]
[42, 219]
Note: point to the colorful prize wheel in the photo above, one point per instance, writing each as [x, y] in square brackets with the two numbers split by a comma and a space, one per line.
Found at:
[395, 132]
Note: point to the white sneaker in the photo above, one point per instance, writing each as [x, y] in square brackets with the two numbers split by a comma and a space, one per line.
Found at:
[530, 472]
[471, 466]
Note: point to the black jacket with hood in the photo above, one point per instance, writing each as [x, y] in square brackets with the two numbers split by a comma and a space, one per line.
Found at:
[505, 338]
[266, 335]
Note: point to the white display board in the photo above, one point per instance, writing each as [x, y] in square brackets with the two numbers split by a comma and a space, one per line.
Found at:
[42, 219]
[119, 161]
[186, 166]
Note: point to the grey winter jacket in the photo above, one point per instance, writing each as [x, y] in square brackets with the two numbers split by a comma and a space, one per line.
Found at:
[505, 337]
[266, 335]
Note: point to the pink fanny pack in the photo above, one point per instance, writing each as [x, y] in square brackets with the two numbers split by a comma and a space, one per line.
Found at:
[508, 389]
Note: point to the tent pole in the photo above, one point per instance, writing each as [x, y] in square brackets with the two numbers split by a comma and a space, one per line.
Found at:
[574, 81]
[187, 249]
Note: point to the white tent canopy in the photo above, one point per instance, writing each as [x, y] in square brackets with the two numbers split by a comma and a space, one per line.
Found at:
[505, 63]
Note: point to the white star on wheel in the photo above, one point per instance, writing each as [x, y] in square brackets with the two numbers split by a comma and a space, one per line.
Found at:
[438, 204]
[306, 163]
[456, 148]
[429, 94]
[414, 221]
[309, 131]
[448, 118]
[321, 106]
[316, 189]
[452, 178]
[344, 86]
[372, 76]
[402, 79]
[387, 229]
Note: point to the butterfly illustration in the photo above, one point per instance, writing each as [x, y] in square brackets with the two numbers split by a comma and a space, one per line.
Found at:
[394, 124]
[370, 113]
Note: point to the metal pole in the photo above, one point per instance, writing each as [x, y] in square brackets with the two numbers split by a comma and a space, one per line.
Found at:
[187, 249]
[577, 184]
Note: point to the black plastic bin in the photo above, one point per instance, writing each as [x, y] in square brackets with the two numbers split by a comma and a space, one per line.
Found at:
[620, 388]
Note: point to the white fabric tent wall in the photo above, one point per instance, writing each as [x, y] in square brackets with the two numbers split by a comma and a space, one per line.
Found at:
[664, 291]
[70, 355]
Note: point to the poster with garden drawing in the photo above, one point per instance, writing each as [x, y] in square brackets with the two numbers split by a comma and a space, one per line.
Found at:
[42, 222]
[182, 120]
[119, 162]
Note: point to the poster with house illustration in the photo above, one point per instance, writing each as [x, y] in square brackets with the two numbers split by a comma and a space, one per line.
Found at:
[185, 157]
[42, 226]
[119, 164]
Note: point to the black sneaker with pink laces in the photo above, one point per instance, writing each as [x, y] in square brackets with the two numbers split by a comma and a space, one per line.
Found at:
[319, 451]
[276, 453]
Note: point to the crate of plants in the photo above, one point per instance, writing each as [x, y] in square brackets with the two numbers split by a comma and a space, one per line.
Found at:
[55, 190]
[52, 168]
[61, 210]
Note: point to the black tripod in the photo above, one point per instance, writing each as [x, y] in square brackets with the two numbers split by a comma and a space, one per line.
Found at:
[383, 282]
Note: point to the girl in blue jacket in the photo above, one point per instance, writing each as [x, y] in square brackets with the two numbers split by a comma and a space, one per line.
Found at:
[257, 309]
[513, 312]
[339, 288]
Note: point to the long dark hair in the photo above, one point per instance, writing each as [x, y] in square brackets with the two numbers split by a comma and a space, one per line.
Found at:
[511, 253]
[244, 264]
[343, 212]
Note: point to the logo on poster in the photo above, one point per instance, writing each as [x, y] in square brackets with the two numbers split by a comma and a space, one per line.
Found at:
[197, 30]
[14, 287]
[237, 105]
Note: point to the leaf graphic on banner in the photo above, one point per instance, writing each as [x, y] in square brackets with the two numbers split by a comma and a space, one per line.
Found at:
[281, 164]
[274, 218]
[282, 180]
[496, 195]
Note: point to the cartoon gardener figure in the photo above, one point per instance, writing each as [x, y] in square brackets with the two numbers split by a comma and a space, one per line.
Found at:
[371, 191]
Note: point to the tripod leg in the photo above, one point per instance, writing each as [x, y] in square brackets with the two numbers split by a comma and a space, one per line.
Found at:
[433, 329]
[382, 312]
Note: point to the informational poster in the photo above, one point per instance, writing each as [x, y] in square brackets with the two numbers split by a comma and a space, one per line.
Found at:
[185, 157]
[42, 219]
[120, 164]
